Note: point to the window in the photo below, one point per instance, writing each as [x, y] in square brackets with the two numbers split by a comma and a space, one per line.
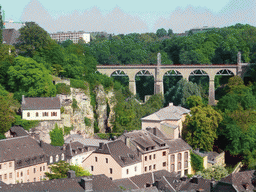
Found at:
[164, 164]
[62, 156]
[110, 178]
[110, 170]
[40, 169]
[51, 159]
[106, 160]
[154, 166]
[185, 172]
[28, 172]
[154, 156]
[186, 164]
[164, 153]
[57, 158]
[172, 158]
[149, 168]
[10, 175]
[5, 176]
[150, 157]
[34, 179]
[34, 170]
[145, 169]
[172, 167]
[36, 114]
[10, 164]
[179, 157]
[0, 177]
[17, 174]
[179, 165]
[21, 174]
[0, 166]
[146, 158]
[91, 168]
[28, 114]
[96, 159]
[43, 168]
[127, 171]
[135, 168]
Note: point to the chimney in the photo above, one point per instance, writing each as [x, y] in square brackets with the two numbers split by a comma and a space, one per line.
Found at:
[87, 184]
[23, 100]
[128, 142]
[40, 143]
[170, 104]
[71, 174]
[154, 131]
[101, 145]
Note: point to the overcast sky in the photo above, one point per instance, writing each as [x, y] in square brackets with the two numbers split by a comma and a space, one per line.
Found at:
[129, 16]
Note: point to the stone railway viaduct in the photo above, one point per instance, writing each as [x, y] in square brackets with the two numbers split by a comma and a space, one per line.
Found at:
[159, 71]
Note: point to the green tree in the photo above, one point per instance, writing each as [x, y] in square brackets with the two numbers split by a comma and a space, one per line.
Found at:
[57, 137]
[161, 32]
[60, 170]
[170, 32]
[216, 172]
[200, 129]
[30, 78]
[181, 91]
[194, 101]
[32, 38]
[6, 115]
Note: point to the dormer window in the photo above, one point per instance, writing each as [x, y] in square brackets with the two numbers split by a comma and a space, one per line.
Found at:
[51, 159]
[57, 158]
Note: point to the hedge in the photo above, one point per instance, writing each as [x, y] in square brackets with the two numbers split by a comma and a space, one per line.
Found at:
[197, 162]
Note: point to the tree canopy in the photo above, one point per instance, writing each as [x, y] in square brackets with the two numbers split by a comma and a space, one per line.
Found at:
[30, 78]
[200, 129]
[57, 136]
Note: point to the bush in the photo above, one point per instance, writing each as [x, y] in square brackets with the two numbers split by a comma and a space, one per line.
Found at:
[67, 130]
[74, 104]
[26, 124]
[87, 121]
[78, 84]
[197, 162]
[108, 135]
[57, 137]
[62, 88]
[62, 110]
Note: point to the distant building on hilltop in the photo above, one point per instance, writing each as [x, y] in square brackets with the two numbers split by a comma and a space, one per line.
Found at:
[73, 36]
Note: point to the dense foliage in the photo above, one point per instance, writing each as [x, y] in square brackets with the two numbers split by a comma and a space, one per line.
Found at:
[60, 170]
[215, 172]
[56, 136]
[197, 162]
[62, 88]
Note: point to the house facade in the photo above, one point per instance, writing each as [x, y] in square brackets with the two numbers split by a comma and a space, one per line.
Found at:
[41, 108]
[23, 159]
[159, 153]
[168, 120]
[114, 159]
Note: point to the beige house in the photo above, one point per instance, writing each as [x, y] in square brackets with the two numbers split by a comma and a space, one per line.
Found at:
[168, 120]
[157, 152]
[23, 159]
[41, 108]
[114, 159]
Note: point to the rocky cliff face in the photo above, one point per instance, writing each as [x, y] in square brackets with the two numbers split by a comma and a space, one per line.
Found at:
[105, 102]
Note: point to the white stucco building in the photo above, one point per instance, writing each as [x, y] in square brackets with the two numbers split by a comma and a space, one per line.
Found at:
[41, 108]
[73, 36]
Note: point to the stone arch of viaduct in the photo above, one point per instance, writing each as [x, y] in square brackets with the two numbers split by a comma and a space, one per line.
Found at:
[158, 71]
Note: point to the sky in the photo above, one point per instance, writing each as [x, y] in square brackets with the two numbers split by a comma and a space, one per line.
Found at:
[131, 16]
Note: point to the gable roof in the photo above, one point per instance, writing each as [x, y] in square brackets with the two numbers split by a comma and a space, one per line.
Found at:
[144, 139]
[170, 112]
[40, 103]
[10, 36]
[85, 141]
[177, 145]
[239, 180]
[100, 183]
[18, 131]
[19, 148]
[122, 154]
